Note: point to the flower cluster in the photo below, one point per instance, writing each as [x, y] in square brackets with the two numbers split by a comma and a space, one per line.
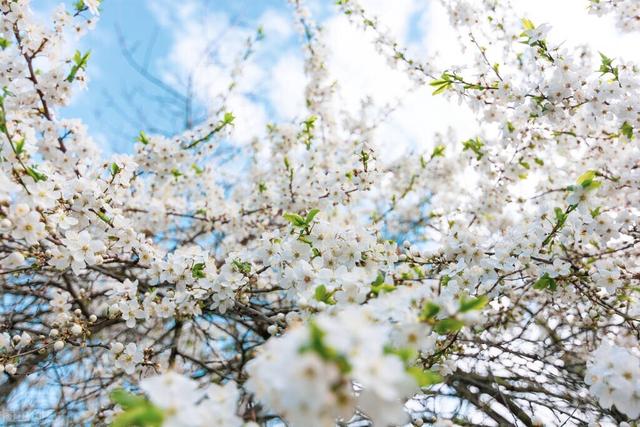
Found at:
[613, 375]
[361, 357]
[184, 403]
[625, 12]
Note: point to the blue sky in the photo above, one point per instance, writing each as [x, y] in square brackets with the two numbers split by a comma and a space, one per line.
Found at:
[118, 101]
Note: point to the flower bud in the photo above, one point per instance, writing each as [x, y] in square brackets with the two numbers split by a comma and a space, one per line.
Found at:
[76, 329]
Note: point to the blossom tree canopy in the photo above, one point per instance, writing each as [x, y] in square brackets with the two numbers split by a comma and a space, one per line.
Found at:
[486, 281]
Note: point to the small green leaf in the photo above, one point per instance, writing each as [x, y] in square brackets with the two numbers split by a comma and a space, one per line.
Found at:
[295, 219]
[197, 271]
[528, 24]
[627, 130]
[242, 266]
[321, 294]
[228, 118]
[585, 177]
[140, 416]
[545, 282]
[127, 400]
[448, 325]
[311, 215]
[438, 151]
[103, 216]
[474, 145]
[470, 304]
[20, 147]
[429, 311]
[142, 138]
[80, 63]
[115, 169]
[424, 378]
[37, 176]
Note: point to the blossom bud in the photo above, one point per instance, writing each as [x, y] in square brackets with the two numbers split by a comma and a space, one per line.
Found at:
[54, 333]
[117, 347]
[272, 329]
[76, 329]
[93, 318]
[10, 368]
[58, 345]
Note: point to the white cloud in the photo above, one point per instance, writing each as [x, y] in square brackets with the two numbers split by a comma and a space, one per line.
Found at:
[276, 24]
[286, 88]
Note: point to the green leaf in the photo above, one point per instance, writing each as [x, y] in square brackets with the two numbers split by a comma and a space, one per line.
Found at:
[438, 151]
[19, 147]
[295, 219]
[37, 176]
[469, 304]
[142, 138]
[545, 282]
[141, 416]
[4, 43]
[242, 266]
[311, 215]
[424, 378]
[528, 24]
[197, 169]
[384, 287]
[586, 177]
[429, 311]
[115, 169]
[127, 400]
[448, 325]
[103, 217]
[228, 118]
[80, 63]
[442, 84]
[561, 216]
[474, 145]
[197, 271]
[627, 130]
[378, 285]
[321, 294]
[606, 66]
